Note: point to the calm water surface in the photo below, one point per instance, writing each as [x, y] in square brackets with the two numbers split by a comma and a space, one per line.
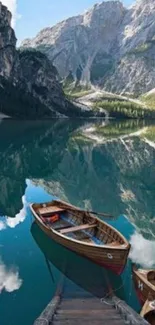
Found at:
[95, 165]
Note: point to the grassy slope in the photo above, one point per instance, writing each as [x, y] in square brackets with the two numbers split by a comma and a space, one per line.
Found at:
[117, 106]
[149, 99]
[76, 92]
[150, 134]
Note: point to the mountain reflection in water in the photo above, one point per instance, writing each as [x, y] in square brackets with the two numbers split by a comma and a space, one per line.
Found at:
[116, 176]
[105, 167]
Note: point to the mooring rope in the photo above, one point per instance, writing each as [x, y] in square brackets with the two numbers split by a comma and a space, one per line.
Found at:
[115, 290]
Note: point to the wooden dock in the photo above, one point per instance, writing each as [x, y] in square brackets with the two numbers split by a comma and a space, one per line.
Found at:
[75, 306]
[86, 293]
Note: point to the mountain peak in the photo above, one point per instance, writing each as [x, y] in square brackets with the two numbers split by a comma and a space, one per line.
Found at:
[103, 11]
[109, 45]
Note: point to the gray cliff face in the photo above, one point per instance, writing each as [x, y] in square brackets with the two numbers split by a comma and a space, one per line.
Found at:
[29, 85]
[35, 73]
[134, 69]
[7, 43]
[109, 45]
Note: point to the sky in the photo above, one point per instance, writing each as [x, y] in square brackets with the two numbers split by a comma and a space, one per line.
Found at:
[30, 16]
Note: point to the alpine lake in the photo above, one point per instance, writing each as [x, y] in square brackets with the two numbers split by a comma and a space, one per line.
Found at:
[98, 165]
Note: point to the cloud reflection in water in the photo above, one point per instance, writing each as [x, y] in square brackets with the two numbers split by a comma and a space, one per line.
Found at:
[9, 278]
[2, 225]
[142, 251]
[19, 218]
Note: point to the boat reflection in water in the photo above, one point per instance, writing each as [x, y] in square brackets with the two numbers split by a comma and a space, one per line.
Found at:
[85, 274]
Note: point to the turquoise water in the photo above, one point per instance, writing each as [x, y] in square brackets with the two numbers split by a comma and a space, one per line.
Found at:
[103, 167]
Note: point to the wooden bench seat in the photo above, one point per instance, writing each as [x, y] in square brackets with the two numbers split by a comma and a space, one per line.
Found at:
[114, 243]
[50, 210]
[77, 228]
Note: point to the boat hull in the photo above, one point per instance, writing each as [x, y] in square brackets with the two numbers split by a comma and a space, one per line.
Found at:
[148, 312]
[143, 288]
[110, 258]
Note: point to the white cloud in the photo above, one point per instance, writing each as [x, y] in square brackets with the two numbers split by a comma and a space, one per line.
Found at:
[12, 6]
[142, 251]
[9, 279]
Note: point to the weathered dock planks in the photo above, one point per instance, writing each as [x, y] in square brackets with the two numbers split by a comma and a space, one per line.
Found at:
[82, 308]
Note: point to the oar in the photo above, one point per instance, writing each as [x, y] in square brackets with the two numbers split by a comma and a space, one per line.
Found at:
[105, 215]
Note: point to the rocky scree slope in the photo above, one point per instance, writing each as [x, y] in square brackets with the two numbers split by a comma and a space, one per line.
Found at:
[29, 86]
[109, 45]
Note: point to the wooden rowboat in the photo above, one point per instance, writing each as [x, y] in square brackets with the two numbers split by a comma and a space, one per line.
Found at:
[148, 311]
[144, 283]
[83, 233]
[145, 287]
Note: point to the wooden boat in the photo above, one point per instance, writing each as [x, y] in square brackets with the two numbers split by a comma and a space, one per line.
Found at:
[145, 287]
[144, 283]
[83, 233]
[148, 311]
[75, 267]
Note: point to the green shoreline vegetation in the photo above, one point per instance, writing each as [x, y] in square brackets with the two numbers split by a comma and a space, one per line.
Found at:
[125, 109]
[115, 105]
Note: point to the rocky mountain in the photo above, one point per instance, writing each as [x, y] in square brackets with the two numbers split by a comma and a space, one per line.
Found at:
[109, 45]
[29, 85]
[7, 43]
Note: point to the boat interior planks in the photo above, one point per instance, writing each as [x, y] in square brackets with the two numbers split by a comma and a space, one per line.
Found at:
[83, 233]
